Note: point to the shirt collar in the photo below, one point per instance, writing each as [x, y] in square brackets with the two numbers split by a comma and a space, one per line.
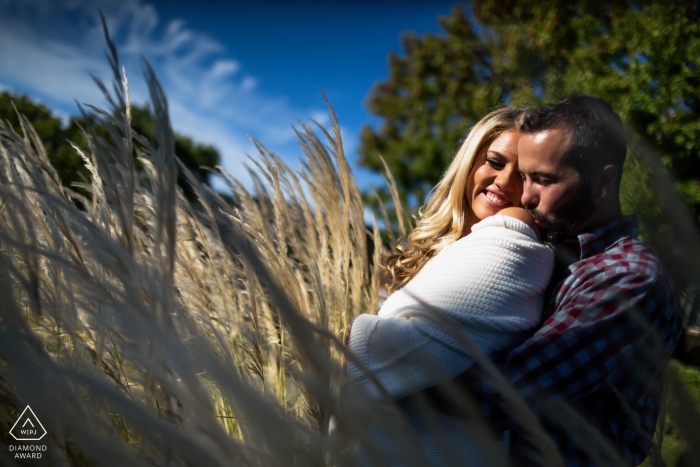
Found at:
[603, 237]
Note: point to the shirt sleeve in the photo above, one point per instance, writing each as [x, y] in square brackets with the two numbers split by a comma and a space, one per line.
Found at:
[615, 322]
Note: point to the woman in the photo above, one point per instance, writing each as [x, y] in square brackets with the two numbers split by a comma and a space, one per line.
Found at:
[473, 265]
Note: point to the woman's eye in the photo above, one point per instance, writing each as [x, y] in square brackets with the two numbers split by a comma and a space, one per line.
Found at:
[495, 163]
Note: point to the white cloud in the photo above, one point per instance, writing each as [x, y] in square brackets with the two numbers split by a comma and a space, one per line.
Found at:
[248, 83]
[224, 68]
[45, 67]
[50, 48]
[322, 118]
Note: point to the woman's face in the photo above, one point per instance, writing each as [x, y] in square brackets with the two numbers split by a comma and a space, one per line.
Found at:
[494, 182]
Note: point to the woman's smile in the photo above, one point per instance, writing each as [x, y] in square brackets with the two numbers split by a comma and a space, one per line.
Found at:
[496, 198]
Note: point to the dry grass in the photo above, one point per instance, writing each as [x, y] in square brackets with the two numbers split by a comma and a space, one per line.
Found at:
[144, 330]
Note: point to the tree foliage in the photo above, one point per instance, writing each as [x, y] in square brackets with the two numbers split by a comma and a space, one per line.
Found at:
[57, 137]
[643, 57]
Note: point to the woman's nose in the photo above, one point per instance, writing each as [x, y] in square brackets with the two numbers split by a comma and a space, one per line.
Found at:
[506, 179]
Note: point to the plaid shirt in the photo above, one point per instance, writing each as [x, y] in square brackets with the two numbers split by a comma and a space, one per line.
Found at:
[611, 324]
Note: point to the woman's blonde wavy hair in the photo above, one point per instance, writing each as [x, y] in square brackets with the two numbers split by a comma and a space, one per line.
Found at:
[443, 219]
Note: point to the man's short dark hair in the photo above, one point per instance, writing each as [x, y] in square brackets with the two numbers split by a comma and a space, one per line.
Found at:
[597, 134]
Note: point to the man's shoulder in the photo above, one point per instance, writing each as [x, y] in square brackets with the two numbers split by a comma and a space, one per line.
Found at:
[626, 255]
[632, 254]
[629, 267]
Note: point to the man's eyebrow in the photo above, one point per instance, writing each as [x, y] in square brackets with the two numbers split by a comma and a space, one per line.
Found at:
[539, 173]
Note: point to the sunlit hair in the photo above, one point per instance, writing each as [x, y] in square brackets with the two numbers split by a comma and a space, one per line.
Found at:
[443, 219]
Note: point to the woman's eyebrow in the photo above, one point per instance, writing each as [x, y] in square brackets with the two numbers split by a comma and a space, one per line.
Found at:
[495, 152]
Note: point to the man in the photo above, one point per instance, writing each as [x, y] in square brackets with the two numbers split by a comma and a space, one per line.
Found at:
[611, 321]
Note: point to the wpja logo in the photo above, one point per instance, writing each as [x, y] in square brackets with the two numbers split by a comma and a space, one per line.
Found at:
[28, 428]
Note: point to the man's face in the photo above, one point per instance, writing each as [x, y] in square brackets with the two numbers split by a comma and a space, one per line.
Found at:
[554, 192]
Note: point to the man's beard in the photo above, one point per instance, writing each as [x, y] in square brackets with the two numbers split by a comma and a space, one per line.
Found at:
[562, 224]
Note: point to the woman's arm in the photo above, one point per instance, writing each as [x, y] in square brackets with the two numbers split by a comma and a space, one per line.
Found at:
[487, 286]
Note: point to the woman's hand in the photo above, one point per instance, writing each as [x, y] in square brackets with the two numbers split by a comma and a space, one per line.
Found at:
[346, 341]
[346, 335]
[523, 215]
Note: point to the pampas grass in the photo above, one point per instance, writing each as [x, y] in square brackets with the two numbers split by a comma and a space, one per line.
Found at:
[143, 329]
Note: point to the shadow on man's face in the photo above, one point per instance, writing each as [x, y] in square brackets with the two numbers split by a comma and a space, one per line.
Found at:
[565, 222]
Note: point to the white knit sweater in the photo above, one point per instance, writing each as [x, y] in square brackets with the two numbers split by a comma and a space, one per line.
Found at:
[487, 285]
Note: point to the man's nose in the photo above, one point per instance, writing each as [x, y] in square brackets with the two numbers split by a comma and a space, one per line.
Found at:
[529, 199]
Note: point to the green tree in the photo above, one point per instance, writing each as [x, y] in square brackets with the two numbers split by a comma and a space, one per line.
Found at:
[50, 130]
[641, 56]
[193, 155]
[56, 137]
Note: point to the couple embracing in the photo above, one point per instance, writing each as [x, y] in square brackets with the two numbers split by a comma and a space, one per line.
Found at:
[521, 254]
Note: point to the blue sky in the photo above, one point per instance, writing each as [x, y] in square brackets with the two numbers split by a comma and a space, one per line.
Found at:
[230, 69]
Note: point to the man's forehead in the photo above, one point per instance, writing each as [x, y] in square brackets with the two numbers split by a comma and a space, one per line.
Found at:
[538, 138]
[559, 137]
[544, 148]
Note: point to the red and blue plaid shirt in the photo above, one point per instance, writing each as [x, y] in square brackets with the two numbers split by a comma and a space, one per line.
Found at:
[611, 324]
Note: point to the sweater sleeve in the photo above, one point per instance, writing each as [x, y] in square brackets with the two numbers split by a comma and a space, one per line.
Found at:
[401, 355]
[487, 286]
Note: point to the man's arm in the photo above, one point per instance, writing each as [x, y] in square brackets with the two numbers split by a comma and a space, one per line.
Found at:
[617, 321]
